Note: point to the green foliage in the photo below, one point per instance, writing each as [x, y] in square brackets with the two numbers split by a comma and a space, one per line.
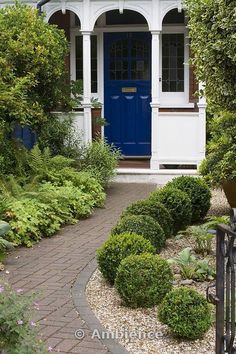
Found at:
[4, 228]
[32, 67]
[40, 213]
[142, 225]
[118, 247]
[18, 333]
[212, 27]
[4, 244]
[191, 267]
[85, 182]
[214, 221]
[101, 160]
[186, 312]
[202, 237]
[156, 210]
[198, 192]
[220, 163]
[186, 262]
[28, 218]
[204, 271]
[60, 136]
[177, 203]
[143, 280]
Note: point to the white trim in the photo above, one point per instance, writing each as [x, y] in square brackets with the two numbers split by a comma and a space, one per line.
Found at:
[177, 98]
[187, 105]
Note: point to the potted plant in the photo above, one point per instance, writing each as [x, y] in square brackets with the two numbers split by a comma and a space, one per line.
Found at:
[219, 167]
[97, 120]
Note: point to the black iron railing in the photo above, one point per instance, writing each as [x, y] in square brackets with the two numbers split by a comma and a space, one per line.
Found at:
[224, 297]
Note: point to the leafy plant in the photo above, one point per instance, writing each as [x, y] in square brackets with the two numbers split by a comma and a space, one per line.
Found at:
[95, 103]
[18, 331]
[143, 280]
[198, 192]
[142, 225]
[101, 160]
[220, 163]
[203, 238]
[191, 267]
[118, 247]
[60, 136]
[154, 209]
[186, 262]
[177, 203]
[32, 66]
[204, 271]
[214, 221]
[186, 313]
[212, 29]
[4, 244]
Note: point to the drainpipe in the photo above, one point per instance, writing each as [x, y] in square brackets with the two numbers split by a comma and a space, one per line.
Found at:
[40, 4]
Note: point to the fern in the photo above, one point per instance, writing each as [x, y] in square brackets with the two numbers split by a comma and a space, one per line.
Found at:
[39, 161]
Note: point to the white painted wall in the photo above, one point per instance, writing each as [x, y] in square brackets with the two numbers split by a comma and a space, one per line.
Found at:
[178, 138]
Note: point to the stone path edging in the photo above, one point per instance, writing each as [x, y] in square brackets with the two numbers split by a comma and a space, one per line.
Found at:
[83, 307]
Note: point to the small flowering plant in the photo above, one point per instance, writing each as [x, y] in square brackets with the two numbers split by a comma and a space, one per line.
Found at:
[17, 331]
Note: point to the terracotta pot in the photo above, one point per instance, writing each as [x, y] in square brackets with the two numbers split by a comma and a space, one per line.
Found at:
[229, 188]
[96, 128]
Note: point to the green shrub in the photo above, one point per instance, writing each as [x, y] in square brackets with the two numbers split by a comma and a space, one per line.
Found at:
[156, 210]
[41, 212]
[142, 225]
[60, 136]
[186, 312]
[85, 182]
[118, 247]
[198, 192]
[143, 280]
[101, 160]
[28, 219]
[18, 333]
[177, 203]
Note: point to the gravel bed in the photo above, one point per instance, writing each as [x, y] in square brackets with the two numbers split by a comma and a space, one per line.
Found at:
[143, 323]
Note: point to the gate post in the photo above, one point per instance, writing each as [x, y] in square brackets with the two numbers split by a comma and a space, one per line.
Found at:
[220, 281]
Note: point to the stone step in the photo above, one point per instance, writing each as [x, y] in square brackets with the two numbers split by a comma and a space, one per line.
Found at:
[144, 175]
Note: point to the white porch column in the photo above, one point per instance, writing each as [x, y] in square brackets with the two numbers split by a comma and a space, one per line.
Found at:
[87, 85]
[155, 104]
[202, 125]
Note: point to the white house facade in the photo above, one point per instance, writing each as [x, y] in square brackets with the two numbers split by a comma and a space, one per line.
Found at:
[134, 56]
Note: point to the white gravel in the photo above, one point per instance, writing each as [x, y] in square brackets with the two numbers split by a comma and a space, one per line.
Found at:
[143, 323]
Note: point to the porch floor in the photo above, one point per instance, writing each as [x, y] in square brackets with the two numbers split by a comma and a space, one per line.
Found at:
[135, 163]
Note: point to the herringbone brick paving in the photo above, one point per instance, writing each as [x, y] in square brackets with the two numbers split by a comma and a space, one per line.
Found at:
[51, 267]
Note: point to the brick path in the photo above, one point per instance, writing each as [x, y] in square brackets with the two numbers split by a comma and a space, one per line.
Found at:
[52, 266]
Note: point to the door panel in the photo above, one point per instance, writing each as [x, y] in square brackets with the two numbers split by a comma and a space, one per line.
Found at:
[128, 92]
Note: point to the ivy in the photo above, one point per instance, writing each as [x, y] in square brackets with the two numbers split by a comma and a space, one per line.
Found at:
[212, 30]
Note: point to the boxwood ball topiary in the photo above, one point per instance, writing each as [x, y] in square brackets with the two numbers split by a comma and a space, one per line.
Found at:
[186, 312]
[177, 203]
[143, 280]
[199, 193]
[142, 225]
[116, 248]
[156, 210]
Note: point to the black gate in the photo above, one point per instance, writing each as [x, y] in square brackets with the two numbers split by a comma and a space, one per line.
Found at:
[224, 298]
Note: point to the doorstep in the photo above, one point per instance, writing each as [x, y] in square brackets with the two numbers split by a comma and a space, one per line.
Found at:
[145, 175]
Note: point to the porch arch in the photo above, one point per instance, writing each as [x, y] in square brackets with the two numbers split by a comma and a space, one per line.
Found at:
[134, 8]
[167, 9]
[58, 8]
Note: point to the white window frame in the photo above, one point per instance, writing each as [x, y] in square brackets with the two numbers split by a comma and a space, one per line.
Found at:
[175, 99]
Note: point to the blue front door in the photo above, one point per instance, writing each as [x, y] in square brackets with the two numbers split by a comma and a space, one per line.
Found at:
[128, 92]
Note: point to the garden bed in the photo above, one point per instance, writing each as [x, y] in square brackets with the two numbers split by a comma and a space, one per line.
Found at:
[106, 304]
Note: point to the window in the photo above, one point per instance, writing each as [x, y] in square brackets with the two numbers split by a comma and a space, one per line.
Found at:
[173, 62]
[79, 61]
